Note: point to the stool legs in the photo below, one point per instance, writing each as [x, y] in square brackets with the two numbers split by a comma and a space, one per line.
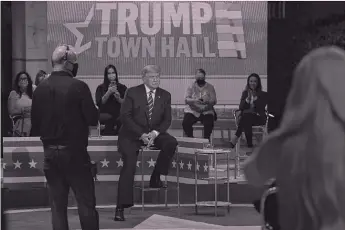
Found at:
[228, 181]
[178, 183]
[142, 180]
[166, 193]
[215, 185]
[141, 153]
[196, 182]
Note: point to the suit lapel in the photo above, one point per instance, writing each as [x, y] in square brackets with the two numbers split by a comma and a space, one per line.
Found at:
[143, 98]
[156, 104]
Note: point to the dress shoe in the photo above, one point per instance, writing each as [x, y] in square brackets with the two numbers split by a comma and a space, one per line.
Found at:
[119, 215]
[155, 182]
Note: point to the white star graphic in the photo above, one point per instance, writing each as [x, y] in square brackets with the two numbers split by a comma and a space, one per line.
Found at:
[181, 164]
[138, 162]
[173, 164]
[189, 166]
[197, 166]
[105, 163]
[32, 163]
[73, 28]
[151, 163]
[119, 163]
[4, 165]
[17, 164]
[205, 167]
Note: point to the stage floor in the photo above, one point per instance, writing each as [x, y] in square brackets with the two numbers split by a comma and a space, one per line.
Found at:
[241, 217]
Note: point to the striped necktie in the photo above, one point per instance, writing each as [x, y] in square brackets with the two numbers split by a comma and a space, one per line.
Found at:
[150, 104]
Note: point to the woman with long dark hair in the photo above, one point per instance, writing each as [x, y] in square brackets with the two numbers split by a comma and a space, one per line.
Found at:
[109, 97]
[40, 76]
[252, 107]
[306, 154]
[19, 103]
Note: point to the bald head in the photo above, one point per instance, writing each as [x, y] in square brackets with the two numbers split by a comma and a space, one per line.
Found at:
[64, 58]
[64, 53]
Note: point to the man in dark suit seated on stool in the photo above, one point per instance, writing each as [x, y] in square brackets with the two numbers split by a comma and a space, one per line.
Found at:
[146, 116]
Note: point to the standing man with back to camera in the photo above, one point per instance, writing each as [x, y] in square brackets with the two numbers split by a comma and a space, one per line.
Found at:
[62, 111]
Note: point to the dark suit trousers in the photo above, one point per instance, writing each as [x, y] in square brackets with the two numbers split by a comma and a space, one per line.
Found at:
[65, 168]
[129, 150]
[248, 120]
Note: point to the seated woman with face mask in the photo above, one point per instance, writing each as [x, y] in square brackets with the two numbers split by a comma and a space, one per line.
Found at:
[200, 99]
[109, 97]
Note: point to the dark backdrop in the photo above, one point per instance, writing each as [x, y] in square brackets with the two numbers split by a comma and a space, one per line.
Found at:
[287, 38]
[6, 63]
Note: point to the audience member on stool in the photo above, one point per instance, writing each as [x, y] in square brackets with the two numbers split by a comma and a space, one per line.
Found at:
[252, 107]
[109, 97]
[200, 99]
[145, 116]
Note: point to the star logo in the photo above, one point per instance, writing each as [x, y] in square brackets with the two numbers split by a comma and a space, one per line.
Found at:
[181, 164]
[205, 167]
[138, 162]
[32, 163]
[73, 28]
[105, 163]
[4, 165]
[197, 166]
[173, 164]
[189, 166]
[119, 163]
[151, 162]
[17, 164]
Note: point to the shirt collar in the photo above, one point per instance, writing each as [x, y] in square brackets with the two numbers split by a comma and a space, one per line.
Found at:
[148, 90]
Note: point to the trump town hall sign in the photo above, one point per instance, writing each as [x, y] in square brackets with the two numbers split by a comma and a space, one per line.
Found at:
[166, 29]
[161, 31]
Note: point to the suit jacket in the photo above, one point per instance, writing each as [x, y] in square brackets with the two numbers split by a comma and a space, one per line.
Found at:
[259, 104]
[134, 112]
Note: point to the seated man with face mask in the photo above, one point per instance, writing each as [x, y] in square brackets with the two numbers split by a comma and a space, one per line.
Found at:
[200, 99]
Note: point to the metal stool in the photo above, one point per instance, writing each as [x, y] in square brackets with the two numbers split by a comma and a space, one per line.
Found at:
[257, 129]
[216, 180]
[142, 185]
[95, 131]
[201, 127]
[14, 119]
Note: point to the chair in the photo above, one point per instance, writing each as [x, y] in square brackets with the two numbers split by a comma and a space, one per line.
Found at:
[267, 194]
[198, 126]
[142, 184]
[257, 129]
[103, 117]
[14, 119]
[95, 131]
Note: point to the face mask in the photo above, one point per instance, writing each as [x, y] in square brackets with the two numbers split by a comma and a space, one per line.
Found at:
[75, 69]
[201, 82]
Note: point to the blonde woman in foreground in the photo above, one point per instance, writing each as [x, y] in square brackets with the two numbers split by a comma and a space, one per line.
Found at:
[306, 154]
